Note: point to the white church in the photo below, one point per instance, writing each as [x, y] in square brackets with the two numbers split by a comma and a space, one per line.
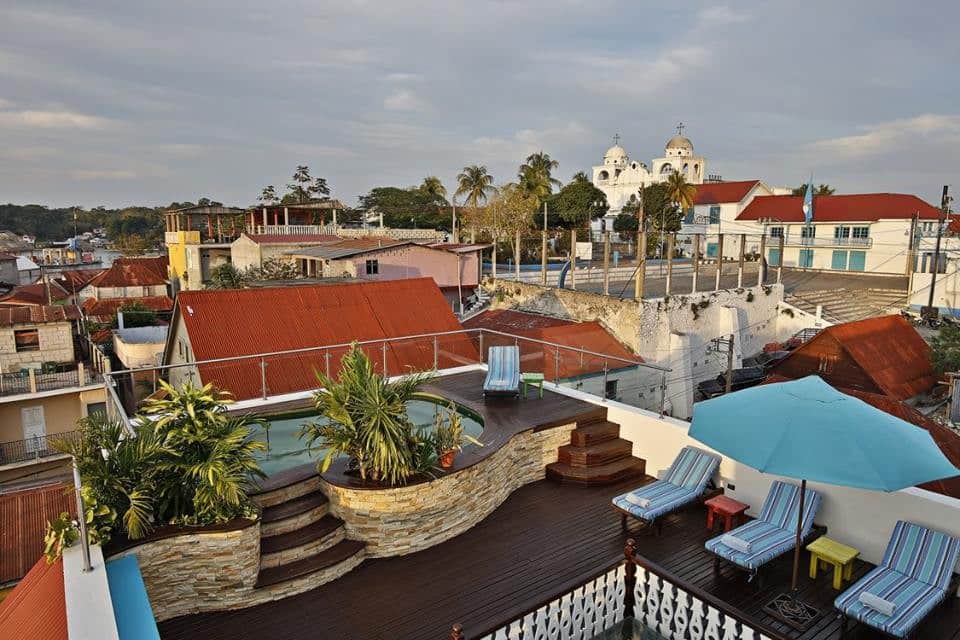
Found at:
[620, 178]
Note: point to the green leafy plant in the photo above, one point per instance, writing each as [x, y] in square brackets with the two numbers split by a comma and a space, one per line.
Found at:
[750, 296]
[945, 349]
[60, 534]
[366, 420]
[448, 433]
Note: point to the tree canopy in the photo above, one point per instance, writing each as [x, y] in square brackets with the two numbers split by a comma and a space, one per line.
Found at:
[945, 349]
[576, 203]
[535, 176]
[406, 208]
[819, 190]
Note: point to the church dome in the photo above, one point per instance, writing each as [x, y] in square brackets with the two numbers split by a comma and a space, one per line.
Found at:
[615, 153]
[679, 142]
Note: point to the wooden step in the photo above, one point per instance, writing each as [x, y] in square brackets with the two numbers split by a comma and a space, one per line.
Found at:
[608, 473]
[595, 454]
[323, 560]
[293, 507]
[299, 537]
[585, 435]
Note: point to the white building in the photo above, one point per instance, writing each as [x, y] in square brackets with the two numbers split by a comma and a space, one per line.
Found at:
[620, 178]
[716, 206]
[867, 232]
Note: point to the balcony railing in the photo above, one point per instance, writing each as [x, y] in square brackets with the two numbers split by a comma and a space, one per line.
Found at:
[294, 230]
[33, 381]
[797, 240]
[35, 448]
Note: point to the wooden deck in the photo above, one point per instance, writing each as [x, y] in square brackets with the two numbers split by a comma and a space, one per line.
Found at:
[545, 539]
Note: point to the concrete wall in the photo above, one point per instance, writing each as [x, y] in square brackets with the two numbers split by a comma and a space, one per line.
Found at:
[60, 411]
[410, 261]
[863, 519]
[134, 355]
[56, 345]
[245, 253]
[127, 292]
[407, 519]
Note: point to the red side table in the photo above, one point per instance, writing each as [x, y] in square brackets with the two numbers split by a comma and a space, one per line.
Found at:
[732, 511]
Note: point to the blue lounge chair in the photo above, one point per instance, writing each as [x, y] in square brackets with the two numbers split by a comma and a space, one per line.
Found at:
[914, 576]
[772, 534]
[683, 483]
[503, 372]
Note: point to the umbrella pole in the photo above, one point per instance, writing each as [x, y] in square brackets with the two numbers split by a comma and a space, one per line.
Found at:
[796, 550]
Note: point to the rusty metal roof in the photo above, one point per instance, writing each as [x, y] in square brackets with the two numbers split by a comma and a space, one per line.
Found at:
[291, 238]
[134, 272]
[539, 358]
[877, 355]
[36, 294]
[36, 608]
[250, 321]
[349, 247]
[109, 306]
[37, 314]
[23, 517]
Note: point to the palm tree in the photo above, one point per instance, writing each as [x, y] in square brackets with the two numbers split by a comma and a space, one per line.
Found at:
[319, 188]
[476, 184]
[680, 192]
[366, 420]
[433, 186]
[536, 176]
[268, 195]
[299, 188]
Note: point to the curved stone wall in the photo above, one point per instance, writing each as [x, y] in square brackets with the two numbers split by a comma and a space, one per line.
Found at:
[403, 520]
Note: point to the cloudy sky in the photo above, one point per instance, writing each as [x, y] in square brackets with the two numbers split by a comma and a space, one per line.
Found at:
[116, 102]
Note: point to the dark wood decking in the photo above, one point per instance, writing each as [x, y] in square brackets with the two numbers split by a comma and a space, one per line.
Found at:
[545, 539]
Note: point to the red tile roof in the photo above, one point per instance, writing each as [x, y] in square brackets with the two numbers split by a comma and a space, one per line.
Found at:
[37, 314]
[40, 293]
[108, 306]
[877, 355]
[36, 608]
[865, 207]
[539, 358]
[717, 192]
[268, 238]
[946, 439]
[250, 321]
[24, 516]
[134, 272]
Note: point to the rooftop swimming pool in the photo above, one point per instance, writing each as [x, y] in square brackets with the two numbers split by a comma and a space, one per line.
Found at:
[286, 451]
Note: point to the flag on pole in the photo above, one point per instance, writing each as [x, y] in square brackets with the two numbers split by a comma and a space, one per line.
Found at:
[808, 202]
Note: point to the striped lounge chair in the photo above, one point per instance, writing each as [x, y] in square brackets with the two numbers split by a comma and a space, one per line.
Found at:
[683, 483]
[503, 372]
[772, 534]
[913, 578]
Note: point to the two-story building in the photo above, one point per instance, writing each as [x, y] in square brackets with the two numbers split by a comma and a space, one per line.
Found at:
[716, 207]
[869, 232]
[142, 279]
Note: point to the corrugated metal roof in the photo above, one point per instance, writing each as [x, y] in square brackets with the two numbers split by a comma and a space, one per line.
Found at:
[38, 314]
[349, 247]
[535, 357]
[269, 238]
[134, 272]
[251, 321]
[24, 516]
[863, 207]
[36, 608]
[38, 293]
[885, 355]
[718, 192]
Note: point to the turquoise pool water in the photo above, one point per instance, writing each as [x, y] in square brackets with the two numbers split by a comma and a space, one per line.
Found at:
[286, 450]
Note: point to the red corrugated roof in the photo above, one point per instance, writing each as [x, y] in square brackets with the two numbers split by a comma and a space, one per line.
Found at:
[76, 279]
[864, 207]
[718, 192]
[37, 314]
[36, 608]
[267, 238]
[946, 439]
[109, 306]
[535, 357]
[134, 272]
[251, 321]
[36, 294]
[24, 516]
[886, 349]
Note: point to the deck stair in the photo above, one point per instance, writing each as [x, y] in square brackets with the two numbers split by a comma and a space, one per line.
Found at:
[596, 455]
[300, 538]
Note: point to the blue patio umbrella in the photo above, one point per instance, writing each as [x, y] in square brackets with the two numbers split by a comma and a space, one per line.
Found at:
[806, 429]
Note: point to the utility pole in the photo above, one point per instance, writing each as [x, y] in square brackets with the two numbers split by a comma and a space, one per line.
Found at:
[727, 343]
[670, 240]
[641, 271]
[762, 262]
[544, 216]
[516, 254]
[453, 224]
[573, 259]
[543, 258]
[780, 261]
[606, 263]
[930, 313]
[719, 261]
[743, 243]
[696, 262]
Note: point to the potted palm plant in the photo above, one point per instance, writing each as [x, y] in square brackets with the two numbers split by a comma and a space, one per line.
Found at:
[449, 436]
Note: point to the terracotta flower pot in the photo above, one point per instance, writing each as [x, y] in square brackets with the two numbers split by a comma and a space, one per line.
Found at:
[446, 458]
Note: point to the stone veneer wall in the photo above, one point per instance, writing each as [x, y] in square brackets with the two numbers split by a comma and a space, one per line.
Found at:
[407, 519]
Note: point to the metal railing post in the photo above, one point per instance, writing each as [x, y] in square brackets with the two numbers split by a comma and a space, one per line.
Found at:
[81, 519]
[436, 353]
[663, 393]
[326, 362]
[481, 346]
[263, 377]
[556, 366]
[384, 348]
[605, 398]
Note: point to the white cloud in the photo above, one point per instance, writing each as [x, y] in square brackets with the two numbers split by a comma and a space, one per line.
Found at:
[404, 77]
[180, 149]
[102, 174]
[720, 15]
[37, 119]
[5, 104]
[904, 135]
[404, 100]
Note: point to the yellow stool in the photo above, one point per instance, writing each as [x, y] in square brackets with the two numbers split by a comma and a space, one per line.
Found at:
[831, 552]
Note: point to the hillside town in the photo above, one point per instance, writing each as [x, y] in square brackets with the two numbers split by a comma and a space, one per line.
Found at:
[602, 398]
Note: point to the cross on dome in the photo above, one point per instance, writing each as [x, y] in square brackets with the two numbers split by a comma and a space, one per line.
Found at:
[680, 126]
[616, 139]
